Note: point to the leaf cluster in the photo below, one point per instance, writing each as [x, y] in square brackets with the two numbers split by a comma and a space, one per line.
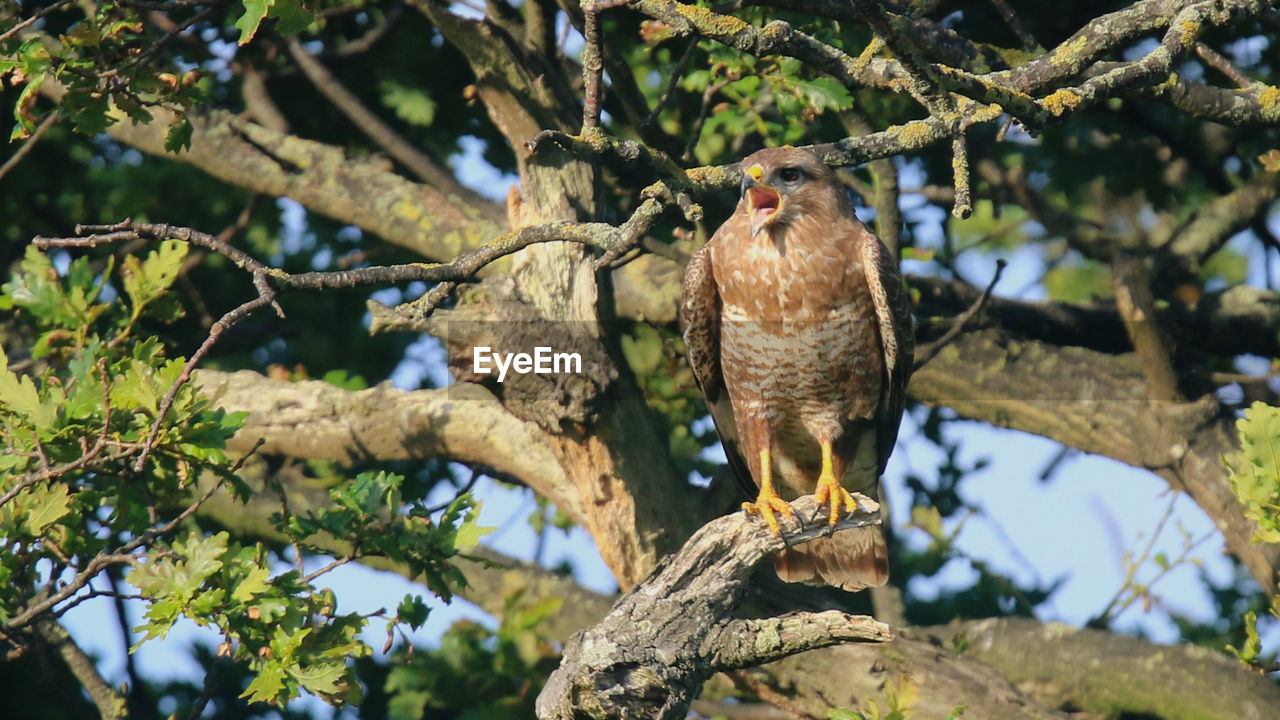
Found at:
[97, 470]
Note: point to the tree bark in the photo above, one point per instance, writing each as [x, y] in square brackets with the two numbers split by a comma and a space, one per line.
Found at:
[651, 655]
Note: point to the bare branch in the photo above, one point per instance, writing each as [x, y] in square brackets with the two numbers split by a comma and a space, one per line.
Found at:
[928, 352]
[29, 144]
[380, 132]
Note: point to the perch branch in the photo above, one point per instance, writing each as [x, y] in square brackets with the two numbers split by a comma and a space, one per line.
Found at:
[651, 655]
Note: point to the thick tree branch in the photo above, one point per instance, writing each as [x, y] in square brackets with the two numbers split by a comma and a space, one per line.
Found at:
[316, 420]
[650, 656]
[1217, 220]
[111, 704]
[426, 168]
[1104, 673]
[1099, 404]
[418, 217]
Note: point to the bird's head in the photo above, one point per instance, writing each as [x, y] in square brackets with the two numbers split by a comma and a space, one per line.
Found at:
[774, 181]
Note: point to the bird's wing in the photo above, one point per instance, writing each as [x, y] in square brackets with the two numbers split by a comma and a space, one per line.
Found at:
[700, 311]
[897, 340]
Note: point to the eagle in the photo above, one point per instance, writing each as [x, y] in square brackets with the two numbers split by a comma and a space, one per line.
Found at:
[800, 337]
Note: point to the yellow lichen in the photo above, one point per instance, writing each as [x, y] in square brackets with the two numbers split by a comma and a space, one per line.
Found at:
[1067, 55]
[406, 210]
[913, 134]
[1061, 102]
[1189, 31]
[1269, 103]
[712, 24]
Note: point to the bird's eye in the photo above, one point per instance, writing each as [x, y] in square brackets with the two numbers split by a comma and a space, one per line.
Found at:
[789, 174]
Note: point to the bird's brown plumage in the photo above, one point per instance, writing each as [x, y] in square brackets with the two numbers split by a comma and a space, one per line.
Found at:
[799, 334]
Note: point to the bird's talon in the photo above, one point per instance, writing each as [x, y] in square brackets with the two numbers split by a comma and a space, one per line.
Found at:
[831, 494]
[766, 506]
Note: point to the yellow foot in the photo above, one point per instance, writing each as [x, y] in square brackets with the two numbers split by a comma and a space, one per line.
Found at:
[829, 492]
[765, 505]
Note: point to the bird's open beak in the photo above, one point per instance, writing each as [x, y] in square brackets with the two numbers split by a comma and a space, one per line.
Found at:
[763, 202]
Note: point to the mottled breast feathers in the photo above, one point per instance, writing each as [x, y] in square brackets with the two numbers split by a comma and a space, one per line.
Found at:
[800, 337]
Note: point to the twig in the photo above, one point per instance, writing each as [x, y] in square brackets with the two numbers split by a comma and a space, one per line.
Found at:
[963, 206]
[30, 143]
[205, 696]
[328, 567]
[746, 682]
[1216, 61]
[931, 350]
[475, 477]
[1015, 24]
[122, 554]
[269, 281]
[592, 65]
[704, 111]
[23, 25]
[672, 82]
[266, 296]
[155, 46]
[1131, 571]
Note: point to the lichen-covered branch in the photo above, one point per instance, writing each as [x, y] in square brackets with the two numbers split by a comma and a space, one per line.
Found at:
[316, 420]
[1109, 674]
[323, 178]
[650, 656]
[1100, 404]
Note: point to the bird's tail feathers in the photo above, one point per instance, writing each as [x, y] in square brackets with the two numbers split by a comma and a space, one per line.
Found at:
[850, 560]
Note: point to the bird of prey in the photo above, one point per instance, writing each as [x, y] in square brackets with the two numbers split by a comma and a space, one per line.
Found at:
[796, 312]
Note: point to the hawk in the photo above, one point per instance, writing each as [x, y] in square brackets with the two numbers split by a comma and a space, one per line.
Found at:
[795, 311]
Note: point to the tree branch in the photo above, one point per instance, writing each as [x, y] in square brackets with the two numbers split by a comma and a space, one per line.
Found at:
[1109, 674]
[418, 217]
[111, 704]
[650, 656]
[426, 168]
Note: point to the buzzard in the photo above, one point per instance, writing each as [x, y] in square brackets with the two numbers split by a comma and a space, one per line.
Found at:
[800, 337]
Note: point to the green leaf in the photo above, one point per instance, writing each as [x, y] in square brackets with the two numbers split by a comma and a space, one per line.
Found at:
[1252, 644]
[267, 684]
[1080, 282]
[469, 533]
[1257, 484]
[144, 281]
[254, 12]
[412, 611]
[45, 504]
[178, 138]
[321, 678]
[824, 93]
[291, 16]
[197, 559]
[20, 397]
[255, 583]
[412, 105]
